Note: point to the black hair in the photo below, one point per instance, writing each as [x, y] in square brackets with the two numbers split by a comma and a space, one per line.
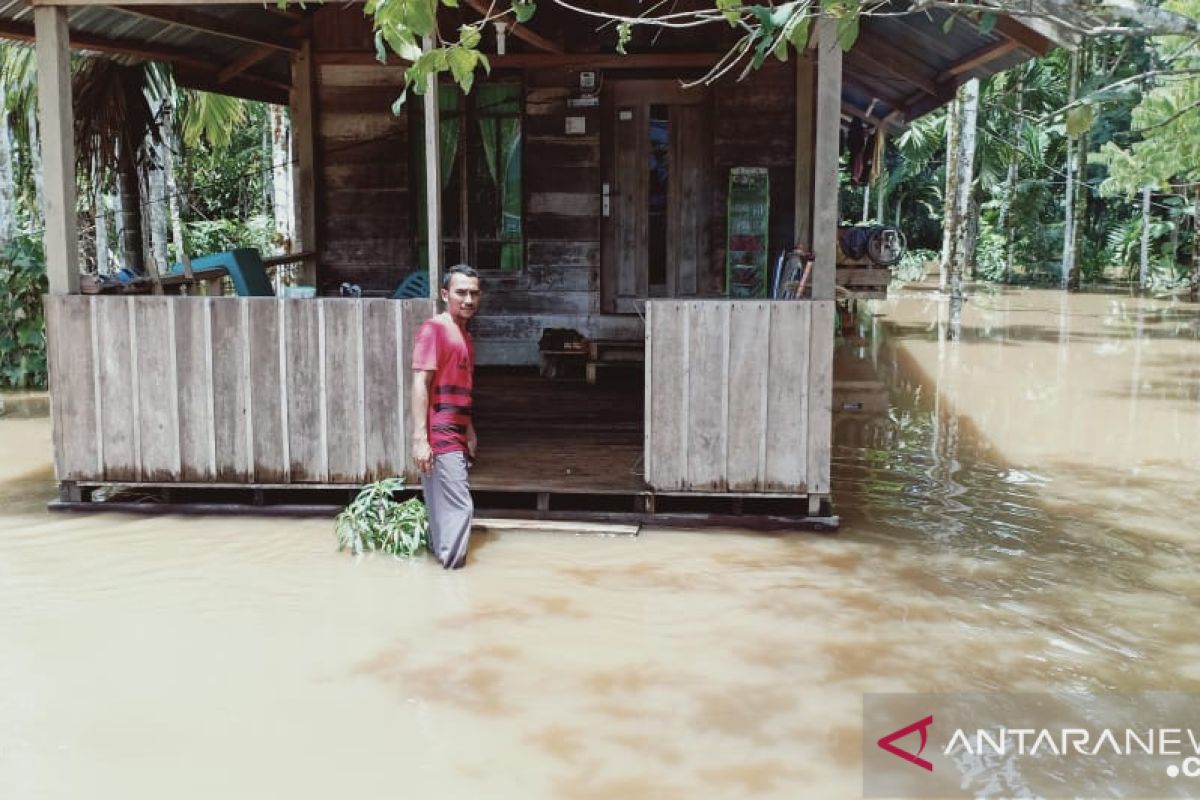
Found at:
[458, 269]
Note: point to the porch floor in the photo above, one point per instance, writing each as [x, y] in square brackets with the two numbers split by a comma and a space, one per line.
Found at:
[561, 435]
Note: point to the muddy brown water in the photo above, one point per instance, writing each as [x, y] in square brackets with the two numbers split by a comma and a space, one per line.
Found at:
[1020, 512]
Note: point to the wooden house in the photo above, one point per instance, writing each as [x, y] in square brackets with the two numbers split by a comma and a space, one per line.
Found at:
[590, 188]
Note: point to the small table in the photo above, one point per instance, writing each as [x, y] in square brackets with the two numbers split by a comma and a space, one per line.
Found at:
[555, 363]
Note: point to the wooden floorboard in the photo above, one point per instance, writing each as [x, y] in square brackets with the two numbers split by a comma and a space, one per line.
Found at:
[537, 434]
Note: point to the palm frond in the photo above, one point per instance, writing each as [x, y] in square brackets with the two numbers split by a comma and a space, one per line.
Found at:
[112, 114]
[212, 117]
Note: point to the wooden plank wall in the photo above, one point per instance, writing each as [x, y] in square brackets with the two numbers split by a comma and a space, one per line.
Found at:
[737, 396]
[560, 285]
[754, 126]
[364, 208]
[231, 390]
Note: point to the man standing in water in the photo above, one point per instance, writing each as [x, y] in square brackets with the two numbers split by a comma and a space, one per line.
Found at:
[443, 431]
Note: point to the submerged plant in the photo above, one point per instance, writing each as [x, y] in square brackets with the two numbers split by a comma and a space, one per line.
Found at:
[375, 521]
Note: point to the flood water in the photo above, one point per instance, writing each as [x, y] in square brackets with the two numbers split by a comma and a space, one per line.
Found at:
[1020, 512]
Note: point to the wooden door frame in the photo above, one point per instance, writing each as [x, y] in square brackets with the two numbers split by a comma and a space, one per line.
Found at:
[618, 93]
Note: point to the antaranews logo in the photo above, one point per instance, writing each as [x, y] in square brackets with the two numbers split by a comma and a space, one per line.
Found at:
[921, 725]
[1067, 744]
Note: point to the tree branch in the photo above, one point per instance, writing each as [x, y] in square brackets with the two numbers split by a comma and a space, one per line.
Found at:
[1073, 14]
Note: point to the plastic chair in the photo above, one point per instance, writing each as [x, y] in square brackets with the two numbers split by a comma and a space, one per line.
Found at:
[245, 268]
[414, 287]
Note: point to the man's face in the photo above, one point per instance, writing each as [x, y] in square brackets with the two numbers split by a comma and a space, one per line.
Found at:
[462, 297]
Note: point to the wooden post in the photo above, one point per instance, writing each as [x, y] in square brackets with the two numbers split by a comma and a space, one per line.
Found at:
[804, 149]
[304, 195]
[57, 121]
[1144, 255]
[825, 158]
[433, 178]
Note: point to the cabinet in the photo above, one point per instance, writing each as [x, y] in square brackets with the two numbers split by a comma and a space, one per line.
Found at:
[747, 222]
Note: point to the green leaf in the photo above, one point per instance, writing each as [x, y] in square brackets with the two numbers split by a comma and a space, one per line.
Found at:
[421, 16]
[847, 31]
[729, 8]
[523, 10]
[781, 49]
[1080, 120]
[799, 33]
[450, 3]
[987, 22]
[462, 66]
[781, 15]
[624, 34]
[398, 103]
[468, 36]
[948, 24]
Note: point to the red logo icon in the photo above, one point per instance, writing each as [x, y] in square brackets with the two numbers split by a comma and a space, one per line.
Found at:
[920, 725]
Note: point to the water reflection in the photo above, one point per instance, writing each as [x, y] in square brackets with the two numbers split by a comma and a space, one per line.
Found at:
[1018, 508]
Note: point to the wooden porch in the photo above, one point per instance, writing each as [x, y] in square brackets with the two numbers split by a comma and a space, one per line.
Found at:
[266, 394]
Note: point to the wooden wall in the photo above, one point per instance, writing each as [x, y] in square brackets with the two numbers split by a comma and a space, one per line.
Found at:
[230, 390]
[755, 126]
[737, 396]
[560, 286]
[364, 207]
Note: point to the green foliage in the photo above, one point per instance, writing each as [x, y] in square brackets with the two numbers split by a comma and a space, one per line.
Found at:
[22, 325]
[400, 27]
[376, 522]
[913, 264]
[213, 236]
[225, 181]
[214, 118]
[991, 253]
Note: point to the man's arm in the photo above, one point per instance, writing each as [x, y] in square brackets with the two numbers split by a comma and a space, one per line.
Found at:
[422, 384]
[472, 439]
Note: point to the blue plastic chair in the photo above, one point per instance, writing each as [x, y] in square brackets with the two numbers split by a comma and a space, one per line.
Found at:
[245, 268]
[414, 287]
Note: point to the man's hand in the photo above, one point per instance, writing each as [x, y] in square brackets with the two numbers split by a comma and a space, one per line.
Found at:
[422, 455]
[472, 441]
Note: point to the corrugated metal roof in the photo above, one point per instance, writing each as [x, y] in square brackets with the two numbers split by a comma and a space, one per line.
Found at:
[906, 64]
[199, 55]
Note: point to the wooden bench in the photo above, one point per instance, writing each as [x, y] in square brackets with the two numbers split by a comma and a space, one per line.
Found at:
[558, 363]
[605, 353]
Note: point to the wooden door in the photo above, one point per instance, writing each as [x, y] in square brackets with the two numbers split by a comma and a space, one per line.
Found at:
[656, 207]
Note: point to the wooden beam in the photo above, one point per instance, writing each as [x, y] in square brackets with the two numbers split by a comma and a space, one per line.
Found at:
[20, 32]
[106, 3]
[851, 110]
[903, 68]
[874, 47]
[520, 31]
[874, 92]
[977, 59]
[1023, 35]
[825, 158]
[244, 86]
[305, 152]
[255, 56]
[216, 26]
[433, 179]
[805, 103]
[56, 119]
[548, 60]
[244, 63]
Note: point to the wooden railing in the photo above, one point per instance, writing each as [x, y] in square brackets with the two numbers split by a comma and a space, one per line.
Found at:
[250, 391]
[738, 396]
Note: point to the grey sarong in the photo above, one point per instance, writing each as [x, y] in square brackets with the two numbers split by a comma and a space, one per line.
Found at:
[448, 498]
